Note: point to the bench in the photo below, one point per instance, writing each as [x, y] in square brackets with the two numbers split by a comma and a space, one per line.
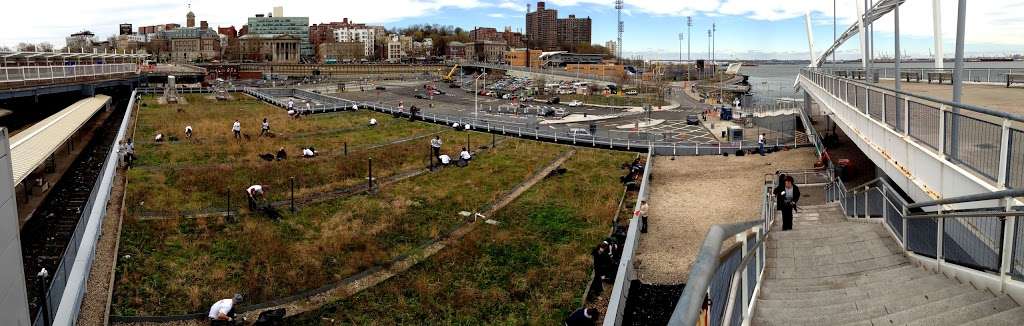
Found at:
[940, 76]
[911, 74]
[1014, 78]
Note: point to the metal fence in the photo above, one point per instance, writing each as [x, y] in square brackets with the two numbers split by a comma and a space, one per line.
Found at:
[626, 273]
[977, 138]
[544, 71]
[995, 76]
[67, 288]
[17, 76]
[662, 143]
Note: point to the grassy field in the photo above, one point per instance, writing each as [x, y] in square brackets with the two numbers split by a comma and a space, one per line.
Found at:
[172, 178]
[181, 265]
[529, 270]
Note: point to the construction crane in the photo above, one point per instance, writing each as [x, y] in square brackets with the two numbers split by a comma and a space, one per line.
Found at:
[448, 78]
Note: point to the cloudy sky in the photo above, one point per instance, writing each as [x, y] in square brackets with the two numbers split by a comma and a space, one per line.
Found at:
[746, 29]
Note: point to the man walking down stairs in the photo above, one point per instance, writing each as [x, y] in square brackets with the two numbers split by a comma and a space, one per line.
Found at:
[832, 271]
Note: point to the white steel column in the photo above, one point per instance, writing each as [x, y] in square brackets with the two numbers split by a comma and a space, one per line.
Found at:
[810, 39]
[937, 33]
[863, 36]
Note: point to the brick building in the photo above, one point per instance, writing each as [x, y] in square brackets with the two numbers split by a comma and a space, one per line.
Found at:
[341, 51]
[483, 34]
[456, 50]
[542, 28]
[545, 31]
[573, 31]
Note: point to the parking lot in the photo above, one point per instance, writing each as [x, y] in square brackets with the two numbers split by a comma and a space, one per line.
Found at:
[559, 117]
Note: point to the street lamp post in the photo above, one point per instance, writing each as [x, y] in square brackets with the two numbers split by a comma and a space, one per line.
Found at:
[476, 98]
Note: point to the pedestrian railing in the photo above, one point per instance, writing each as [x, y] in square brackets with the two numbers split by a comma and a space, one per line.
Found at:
[987, 142]
[993, 76]
[626, 271]
[726, 286]
[11, 77]
[976, 236]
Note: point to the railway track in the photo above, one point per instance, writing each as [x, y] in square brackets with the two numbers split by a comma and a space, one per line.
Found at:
[45, 236]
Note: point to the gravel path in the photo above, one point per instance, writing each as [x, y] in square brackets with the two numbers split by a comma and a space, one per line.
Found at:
[690, 194]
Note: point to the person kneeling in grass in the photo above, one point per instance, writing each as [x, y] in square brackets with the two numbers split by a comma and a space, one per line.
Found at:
[308, 152]
[464, 157]
[445, 159]
[223, 311]
[256, 193]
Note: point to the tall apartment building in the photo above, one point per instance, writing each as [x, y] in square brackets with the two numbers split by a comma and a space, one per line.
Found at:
[612, 47]
[365, 36]
[542, 28]
[573, 31]
[280, 25]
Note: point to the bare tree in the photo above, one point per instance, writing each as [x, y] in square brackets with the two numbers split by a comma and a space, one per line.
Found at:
[26, 47]
[44, 47]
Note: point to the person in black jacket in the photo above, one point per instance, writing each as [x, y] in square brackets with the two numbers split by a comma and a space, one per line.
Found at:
[787, 194]
[582, 317]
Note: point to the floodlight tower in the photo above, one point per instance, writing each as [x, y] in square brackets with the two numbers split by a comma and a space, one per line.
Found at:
[689, 24]
[618, 47]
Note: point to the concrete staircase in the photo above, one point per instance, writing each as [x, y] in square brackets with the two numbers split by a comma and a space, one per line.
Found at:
[831, 271]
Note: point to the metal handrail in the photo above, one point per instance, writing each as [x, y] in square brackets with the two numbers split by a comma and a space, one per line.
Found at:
[688, 307]
[969, 107]
[1002, 194]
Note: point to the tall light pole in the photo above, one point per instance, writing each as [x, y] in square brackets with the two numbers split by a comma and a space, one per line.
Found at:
[681, 36]
[689, 24]
[476, 98]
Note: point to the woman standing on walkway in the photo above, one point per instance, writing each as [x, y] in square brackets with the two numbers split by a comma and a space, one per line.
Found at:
[787, 195]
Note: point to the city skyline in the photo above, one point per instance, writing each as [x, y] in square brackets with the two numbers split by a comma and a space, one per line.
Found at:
[651, 30]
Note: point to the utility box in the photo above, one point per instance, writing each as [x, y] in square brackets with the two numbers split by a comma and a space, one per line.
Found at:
[735, 133]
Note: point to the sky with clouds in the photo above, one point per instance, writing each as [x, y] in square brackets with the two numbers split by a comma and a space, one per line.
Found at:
[746, 29]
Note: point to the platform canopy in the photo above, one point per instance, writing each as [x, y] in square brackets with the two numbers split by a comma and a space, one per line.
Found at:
[31, 147]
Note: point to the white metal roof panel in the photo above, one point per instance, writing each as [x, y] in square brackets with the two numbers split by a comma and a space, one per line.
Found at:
[31, 147]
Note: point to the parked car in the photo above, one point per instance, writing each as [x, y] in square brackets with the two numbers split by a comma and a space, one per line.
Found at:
[506, 96]
[454, 85]
[554, 100]
[579, 132]
[420, 96]
[632, 92]
[380, 88]
[575, 103]
[692, 120]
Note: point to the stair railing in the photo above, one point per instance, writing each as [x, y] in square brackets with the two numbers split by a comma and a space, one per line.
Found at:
[727, 286]
[977, 237]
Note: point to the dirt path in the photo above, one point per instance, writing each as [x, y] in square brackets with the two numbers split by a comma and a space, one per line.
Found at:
[690, 194]
[364, 281]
